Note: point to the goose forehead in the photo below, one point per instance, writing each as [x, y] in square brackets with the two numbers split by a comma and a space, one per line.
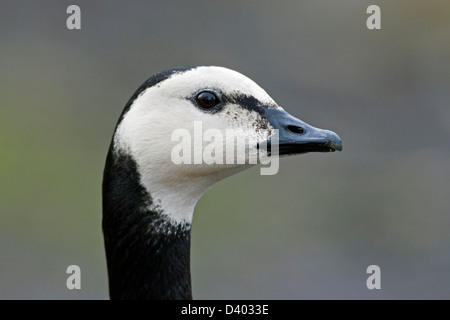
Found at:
[222, 79]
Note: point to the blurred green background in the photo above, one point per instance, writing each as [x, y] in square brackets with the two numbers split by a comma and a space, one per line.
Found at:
[308, 232]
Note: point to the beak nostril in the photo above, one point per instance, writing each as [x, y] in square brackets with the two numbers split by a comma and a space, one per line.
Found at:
[295, 129]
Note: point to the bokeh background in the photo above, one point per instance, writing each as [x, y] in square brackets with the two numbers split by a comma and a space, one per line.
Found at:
[308, 232]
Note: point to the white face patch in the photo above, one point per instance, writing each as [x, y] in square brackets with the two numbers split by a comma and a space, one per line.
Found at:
[145, 133]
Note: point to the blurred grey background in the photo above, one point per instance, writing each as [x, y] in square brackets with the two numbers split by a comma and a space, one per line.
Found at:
[308, 232]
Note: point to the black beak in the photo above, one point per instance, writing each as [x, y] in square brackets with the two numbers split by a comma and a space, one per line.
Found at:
[296, 136]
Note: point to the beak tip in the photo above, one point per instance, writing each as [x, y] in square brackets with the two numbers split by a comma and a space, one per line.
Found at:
[334, 142]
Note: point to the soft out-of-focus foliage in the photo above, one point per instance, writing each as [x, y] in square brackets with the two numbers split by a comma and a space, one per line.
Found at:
[308, 232]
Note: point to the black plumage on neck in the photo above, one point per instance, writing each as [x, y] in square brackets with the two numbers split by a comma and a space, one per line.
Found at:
[148, 256]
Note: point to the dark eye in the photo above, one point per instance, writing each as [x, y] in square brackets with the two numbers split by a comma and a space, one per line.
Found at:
[207, 99]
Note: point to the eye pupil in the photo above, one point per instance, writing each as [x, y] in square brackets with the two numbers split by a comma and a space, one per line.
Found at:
[207, 99]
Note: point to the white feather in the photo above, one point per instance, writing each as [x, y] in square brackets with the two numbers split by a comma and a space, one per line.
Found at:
[145, 133]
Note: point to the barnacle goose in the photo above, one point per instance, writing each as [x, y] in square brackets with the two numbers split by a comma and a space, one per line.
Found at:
[148, 200]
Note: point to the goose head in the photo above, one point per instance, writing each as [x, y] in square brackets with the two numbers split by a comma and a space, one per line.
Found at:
[180, 124]
[182, 131]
